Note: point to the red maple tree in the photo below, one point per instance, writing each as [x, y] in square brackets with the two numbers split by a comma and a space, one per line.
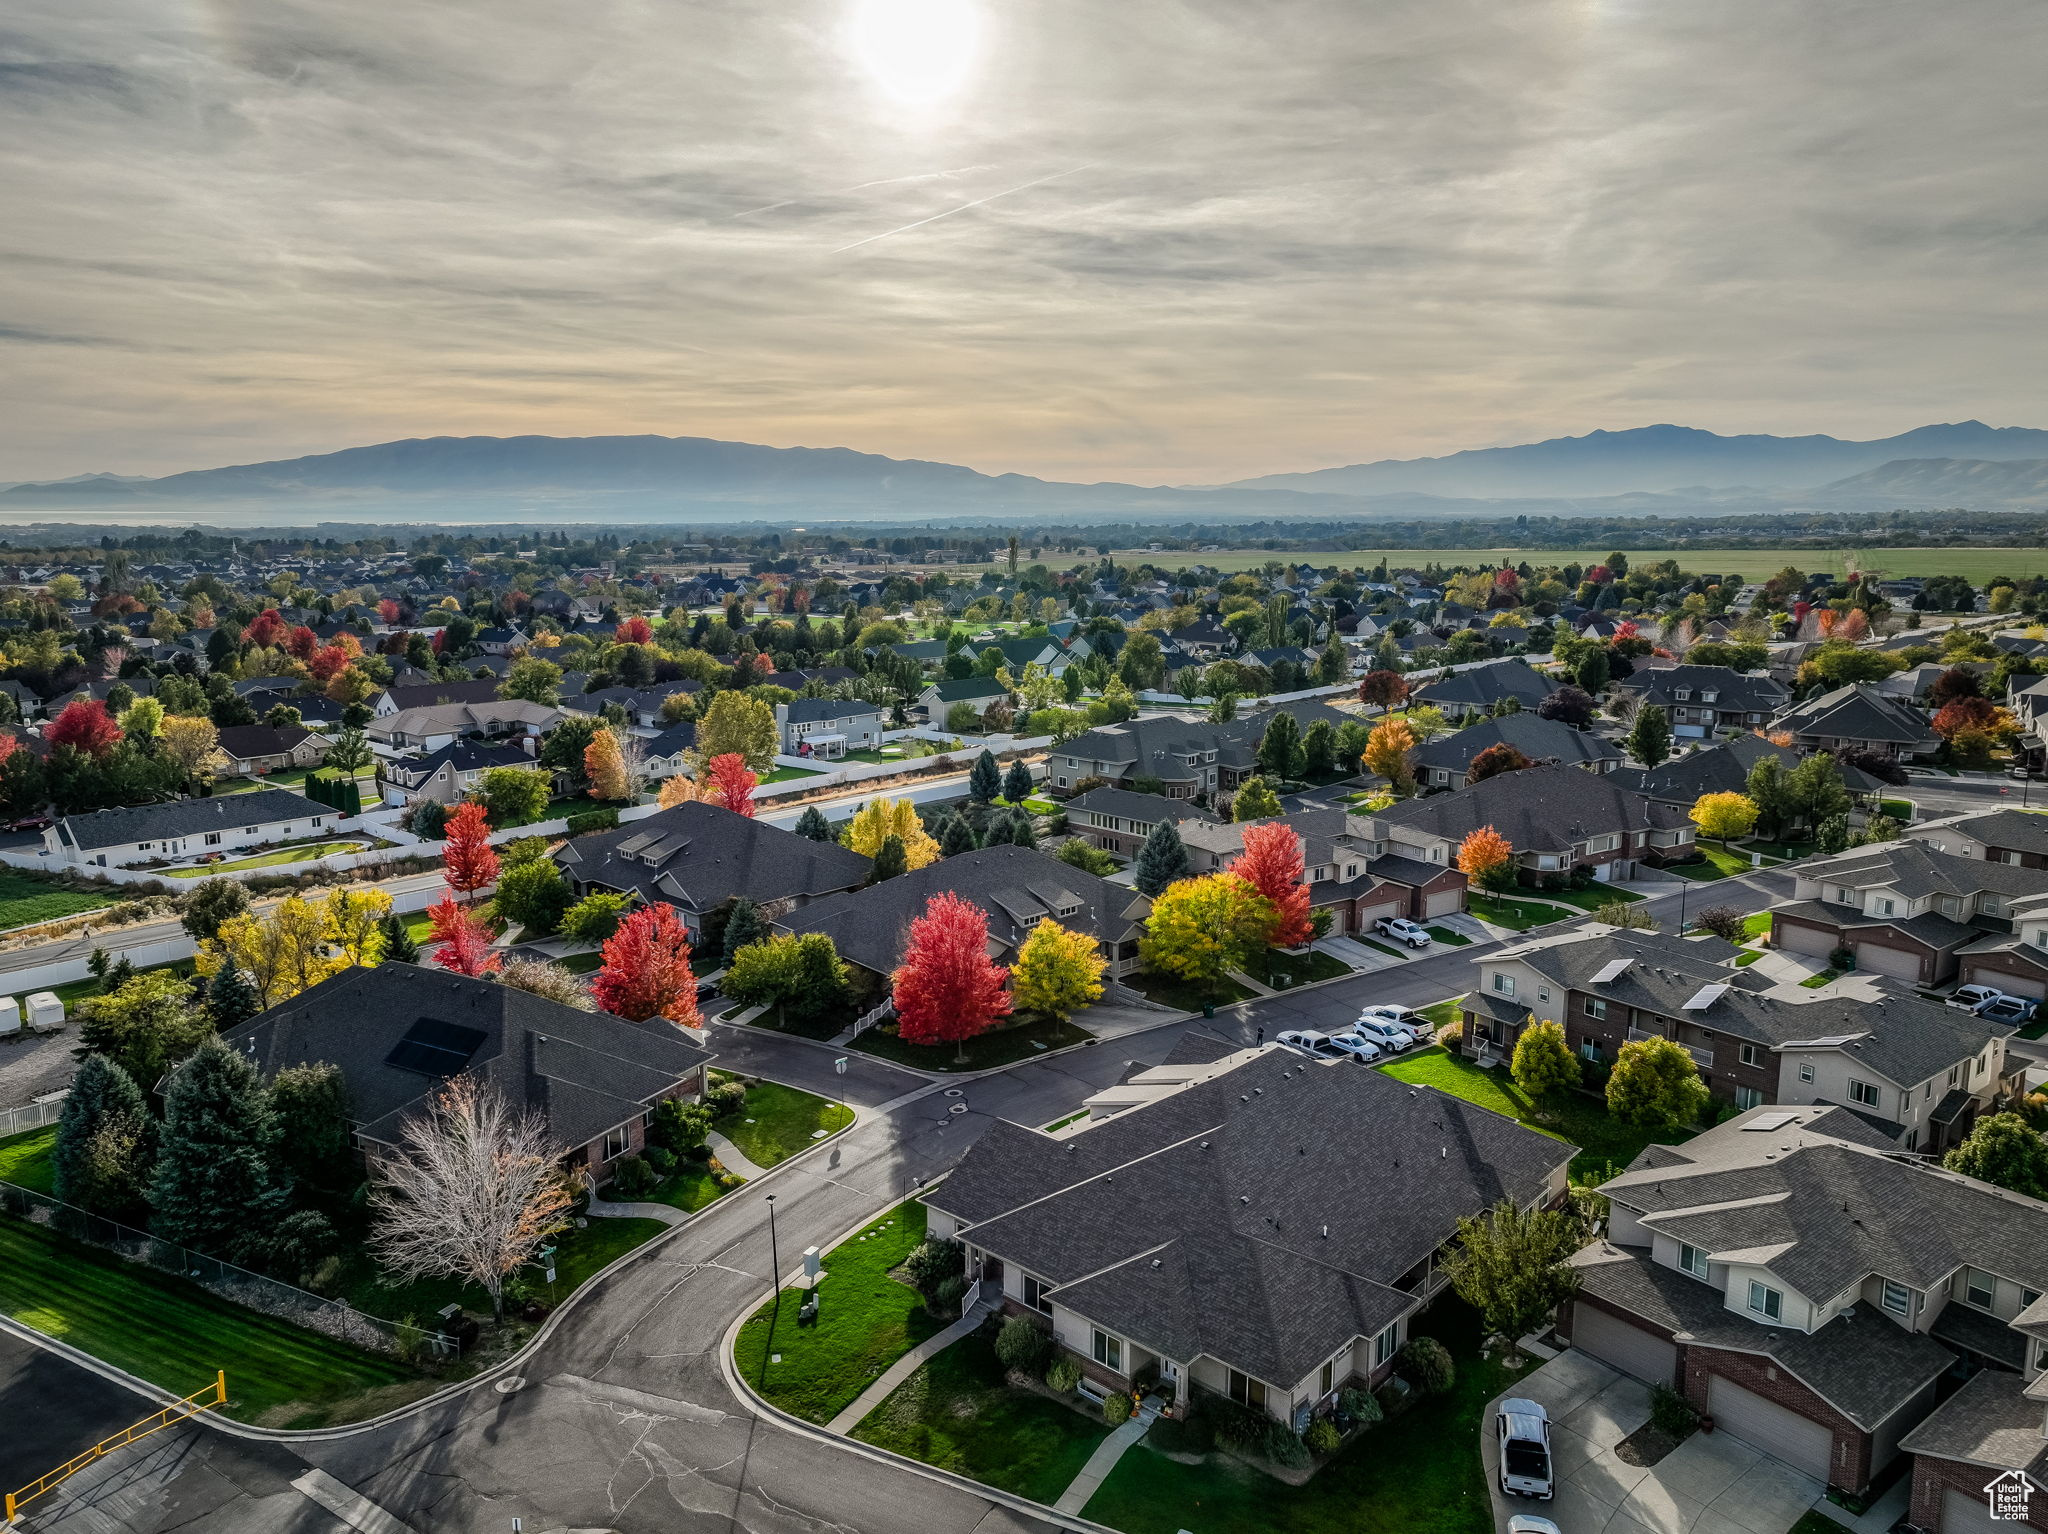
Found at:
[1950, 719]
[731, 785]
[9, 744]
[87, 725]
[467, 857]
[646, 970]
[1272, 864]
[1386, 688]
[633, 631]
[389, 610]
[266, 628]
[462, 939]
[301, 642]
[328, 662]
[948, 989]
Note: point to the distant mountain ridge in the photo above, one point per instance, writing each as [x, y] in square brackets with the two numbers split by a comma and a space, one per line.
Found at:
[1657, 459]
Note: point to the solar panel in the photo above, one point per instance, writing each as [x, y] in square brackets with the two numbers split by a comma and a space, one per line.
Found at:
[1705, 997]
[1611, 971]
[1772, 1121]
[434, 1048]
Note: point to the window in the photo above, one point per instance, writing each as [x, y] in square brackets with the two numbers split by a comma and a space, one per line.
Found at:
[1863, 1092]
[1979, 1288]
[1898, 1299]
[1747, 1098]
[1596, 1006]
[1589, 1050]
[1034, 1294]
[1693, 1260]
[1329, 1377]
[1748, 1054]
[1386, 1344]
[2028, 1296]
[1765, 1301]
[1505, 984]
[1881, 906]
[1109, 1352]
[615, 1141]
[1709, 697]
[1805, 1071]
[213, 838]
[1245, 1390]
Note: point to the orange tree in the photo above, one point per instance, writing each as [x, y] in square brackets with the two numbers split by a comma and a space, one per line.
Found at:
[1487, 858]
[1272, 864]
[1386, 753]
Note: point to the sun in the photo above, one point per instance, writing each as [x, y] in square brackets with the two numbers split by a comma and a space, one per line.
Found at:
[917, 52]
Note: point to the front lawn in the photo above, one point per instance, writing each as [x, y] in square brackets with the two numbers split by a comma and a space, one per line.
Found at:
[1720, 864]
[1592, 897]
[1756, 924]
[1815, 982]
[1417, 1474]
[779, 1121]
[301, 854]
[689, 1188]
[958, 1412]
[1440, 1012]
[175, 1335]
[866, 1321]
[1790, 852]
[1184, 995]
[26, 898]
[1447, 937]
[1573, 1116]
[1003, 1046]
[786, 774]
[1517, 915]
[1293, 969]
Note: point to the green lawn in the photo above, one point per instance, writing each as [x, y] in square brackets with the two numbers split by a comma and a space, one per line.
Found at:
[175, 1335]
[779, 1121]
[1573, 1116]
[1005, 1046]
[576, 963]
[1720, 863]
[1384, 948]
[1815, 982]
[1593, 897]
[1748, 957]
[1756, 924]
[27, 897]
[1790, 852]
[1518, 915]
[1440, 1012]
[786, 774]
[866, 1321]
[689, 1188]
[1417, 1474]
[959, 1413]
[1296, 968]
[1184, 995]
[304, 854]
[1447, 937]
[25, 1159]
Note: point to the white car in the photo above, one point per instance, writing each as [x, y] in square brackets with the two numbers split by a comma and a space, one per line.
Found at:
[1523, 1427]
[1311, 1042]
[1529, 1523]
[1968, 998]
[1402, 930]
[1360, 1046]
[1409, 1022]
[1388, 1036]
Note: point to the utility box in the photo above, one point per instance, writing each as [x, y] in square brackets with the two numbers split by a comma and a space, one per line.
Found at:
[45, 1012]
[10, 1016]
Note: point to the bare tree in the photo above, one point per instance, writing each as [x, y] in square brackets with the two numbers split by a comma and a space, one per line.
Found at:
[633, 756]
[542, 978]
[473, 1191]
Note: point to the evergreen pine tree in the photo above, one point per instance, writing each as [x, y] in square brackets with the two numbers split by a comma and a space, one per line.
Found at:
[214, 1180]
[743, 925]
[985, 781]
[312, 1108]
[399, 948]
[1163, 859]
[813, 825]
[890, 860]
[230, 999]
[100, 1092]
[957, 837]
[1017, 783]
[119, 973]
[1023, 831]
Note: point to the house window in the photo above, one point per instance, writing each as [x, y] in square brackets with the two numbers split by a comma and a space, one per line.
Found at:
[1979, 1288]
[1805, 1071]
[615, 1142]
[1882, 907]
[1747, 1053]
[1766, 1301]
[1596, 1006]
[1247, 1391]
[1505, 984]
[213, 838]
[1109, 1352]
[1034, 1294]
[1589, 1050]
[1863, 1092]
[1898, 1299]
[1329, 1377]
[1693, 1260]
[1747, 1098]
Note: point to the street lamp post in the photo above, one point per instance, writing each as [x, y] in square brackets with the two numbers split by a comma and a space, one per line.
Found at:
[775, 1261]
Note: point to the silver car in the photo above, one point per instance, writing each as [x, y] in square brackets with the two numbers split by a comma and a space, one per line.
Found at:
[1523, 1428]
[1389, 1036]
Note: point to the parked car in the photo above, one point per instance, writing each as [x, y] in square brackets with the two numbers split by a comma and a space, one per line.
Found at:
[1523, 1428]
[1388, 1036]
[1402, 930]
[1410, 1022]
[1313, 1042]
[1529, 1523]
[1359, 1046]
[2006, 1009]
[1968, 998]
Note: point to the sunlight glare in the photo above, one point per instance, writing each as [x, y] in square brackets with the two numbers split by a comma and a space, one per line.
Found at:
[918, 52]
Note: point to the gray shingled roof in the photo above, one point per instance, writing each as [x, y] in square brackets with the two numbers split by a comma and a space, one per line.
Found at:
[1733, 690]
[187, 817]
[2016, 829]
[1535, 737]
[1489, 684]
[1858, 712]
[1989, 1422]
[697, 856]
[1540, 809]
[815, 710]
[1916, 870]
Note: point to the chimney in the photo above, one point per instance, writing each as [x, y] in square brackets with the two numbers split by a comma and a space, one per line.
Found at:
[526, 744]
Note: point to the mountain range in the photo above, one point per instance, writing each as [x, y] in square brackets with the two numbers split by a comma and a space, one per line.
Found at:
[1646, 471]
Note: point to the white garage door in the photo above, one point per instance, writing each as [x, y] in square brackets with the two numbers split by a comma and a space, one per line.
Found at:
[2012, 985]
[1888, 961]
[1629, 1348]
[1794, 938]
[1799, 1441]
[1443, 903]
[1962, 1513]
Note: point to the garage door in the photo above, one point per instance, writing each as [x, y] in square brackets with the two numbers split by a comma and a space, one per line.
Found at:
[1799, 1441]
[1962, 1513]
[1443, 903]
[1794, 938]
[1629, 1348]
[1879, 959]
[2012, 985]
[1372, 914]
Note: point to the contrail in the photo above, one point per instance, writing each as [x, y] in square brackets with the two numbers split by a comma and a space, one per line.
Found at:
[842, 191]
[992, 196]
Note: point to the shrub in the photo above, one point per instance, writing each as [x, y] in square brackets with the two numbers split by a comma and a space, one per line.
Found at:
[1322, 1436]
[1426, 1364]
[1451, 1035]
[1842, 959]
[1283, 1446]
[1181, 1435]
[1116, 1411]
[680, 1127]
[663, 1161]
[1239, 1426]
[1670, 1412]
[933, 1262]
[1023, 1346]
[1724, 921]
[951, 1291]
[632, 1176]
[726, 1099]
[592, 820]
[1360, 1407]
[1064, 1374]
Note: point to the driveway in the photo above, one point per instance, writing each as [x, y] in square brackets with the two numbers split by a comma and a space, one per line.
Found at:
[1710, 1484]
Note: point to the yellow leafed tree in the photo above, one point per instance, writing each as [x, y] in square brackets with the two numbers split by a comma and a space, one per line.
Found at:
[675, 790]
[299, 944]
[605, 765]
[1058, 971]
[194, 744]
[1724, 815]
[1202, 929]
[879, 819]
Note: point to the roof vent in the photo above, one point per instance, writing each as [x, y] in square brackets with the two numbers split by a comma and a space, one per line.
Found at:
[1244, 1198]
[1155, 1262]
[1205, 1145]
[1326, 1232]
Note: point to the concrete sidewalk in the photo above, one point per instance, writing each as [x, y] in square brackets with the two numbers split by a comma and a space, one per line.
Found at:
[1103, 1460]
[732, 1157]
[904, 1367]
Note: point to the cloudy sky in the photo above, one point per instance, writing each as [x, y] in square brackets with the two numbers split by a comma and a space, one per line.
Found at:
[1153, 240]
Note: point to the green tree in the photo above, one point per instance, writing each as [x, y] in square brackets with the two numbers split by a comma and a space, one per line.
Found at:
[1280, 752]
[215, 1184]
[1814, 789]
[399, 948]
[1766, 789]
[1017, 783]
[956, 837]
[813, 826]
[985, 781]
[564, 747]
[313, 1116]
[350, 750]
[1319, 750]
[103, 1097]
[1255, 800]
[595, 917]
[2003, 1150]
[230, 998]
[1162, 859]
[891, 859]
[738, 724]
[211, 903]
[1592, 672]
[1649, 738]
[1510, 1267]
[961, 718]
[1076, 853]
[535, 680]
[1333, 665]
[1202, 929]
[743, 925]
[802, 977]
[535, 895]
[1655, 1085]
[145, 1025]
[1350, 743]
[1544, 1062]
[515, 796]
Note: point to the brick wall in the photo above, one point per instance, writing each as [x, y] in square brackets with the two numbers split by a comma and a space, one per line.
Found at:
[1762, 1377]
[1932, 1477]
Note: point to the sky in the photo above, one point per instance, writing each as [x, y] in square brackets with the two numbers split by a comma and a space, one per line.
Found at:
[1157, 241]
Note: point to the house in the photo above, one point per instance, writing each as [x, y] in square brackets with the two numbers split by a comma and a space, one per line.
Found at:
[1558, 820]
[432, 727]
[697, 857]
[259, 748]
[185, 827]
[828, 727]
[500, 641]
[1118, 820]
[643, 705]
[1812, 1292]
[1980, 1459]
[398, 1031]
[1705, 700]
[979, 693]
[1862, 716]
[1913, 1070]
[1443, 762]
[1725, 769]
[1996, 836]
[1016, 886]
[1486, 689]
[1901, 907]
[1206, 1228]
[396, 699]
[1187, 754]
[666, 754]
[450, 774]
[1352, 873]
[1205, 639]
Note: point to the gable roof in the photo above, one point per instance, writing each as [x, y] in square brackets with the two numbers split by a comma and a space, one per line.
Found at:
[696, 856]
[1732, 689]
[1539, 809]
[1916, 870]
[426, 694]
[1858, 712]
[186, 817]
[1534, 736]
[2016, 830]
[242, 741]
[1483, 686]
[966, 689]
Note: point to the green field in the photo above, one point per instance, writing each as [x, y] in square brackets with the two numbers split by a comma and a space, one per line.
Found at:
[1979, 565]
[27, 897]
[301, 854]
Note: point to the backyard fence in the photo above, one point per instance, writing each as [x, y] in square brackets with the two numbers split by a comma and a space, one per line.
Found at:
[255, 1291]
[14, 1121]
